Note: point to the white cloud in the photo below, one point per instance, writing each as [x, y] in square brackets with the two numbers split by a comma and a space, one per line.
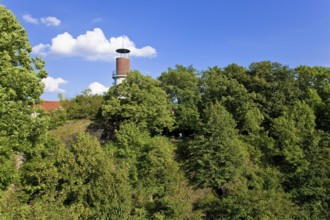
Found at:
[97, 88]
[29, 19]
[53, 84]
[40, 49]
[92, 46]
[50, 21]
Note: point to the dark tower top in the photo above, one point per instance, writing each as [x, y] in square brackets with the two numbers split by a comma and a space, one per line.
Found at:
[123, 51]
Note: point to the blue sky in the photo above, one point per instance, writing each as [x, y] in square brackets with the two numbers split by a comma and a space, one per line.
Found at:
[77, 38]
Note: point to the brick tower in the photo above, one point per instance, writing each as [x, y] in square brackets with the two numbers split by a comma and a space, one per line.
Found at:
[122, 66]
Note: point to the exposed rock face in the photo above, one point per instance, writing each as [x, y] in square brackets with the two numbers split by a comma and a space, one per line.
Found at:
[19, 159]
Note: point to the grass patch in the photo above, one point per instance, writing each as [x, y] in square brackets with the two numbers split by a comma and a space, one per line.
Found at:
[66, 131]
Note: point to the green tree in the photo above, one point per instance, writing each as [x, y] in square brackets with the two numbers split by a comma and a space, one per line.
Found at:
[315, 85]
[216, 156]
[220, 85]
[244, 203]
[159, 188]
[82, 106]
[183, 87]
[227, 86]
[80, 179]
[220, 160]
[139, 99]
[275, 87]
[293, 133]
[20, 89]
[310, 188]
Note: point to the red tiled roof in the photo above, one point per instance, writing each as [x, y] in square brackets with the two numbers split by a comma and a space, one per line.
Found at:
[50, 105]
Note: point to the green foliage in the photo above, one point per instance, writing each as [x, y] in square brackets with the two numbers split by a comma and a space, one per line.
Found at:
[57, 118]
[81, 179]
[233, 95]
[315, 85]
[310, 188]
[293, 132]
[216, 155]
[84, 106]
[183, 87]
[251, 204]
[140, 100]
[159, 187]
[18, 77]
[7, 168]
[276, 128]
[20, 88]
